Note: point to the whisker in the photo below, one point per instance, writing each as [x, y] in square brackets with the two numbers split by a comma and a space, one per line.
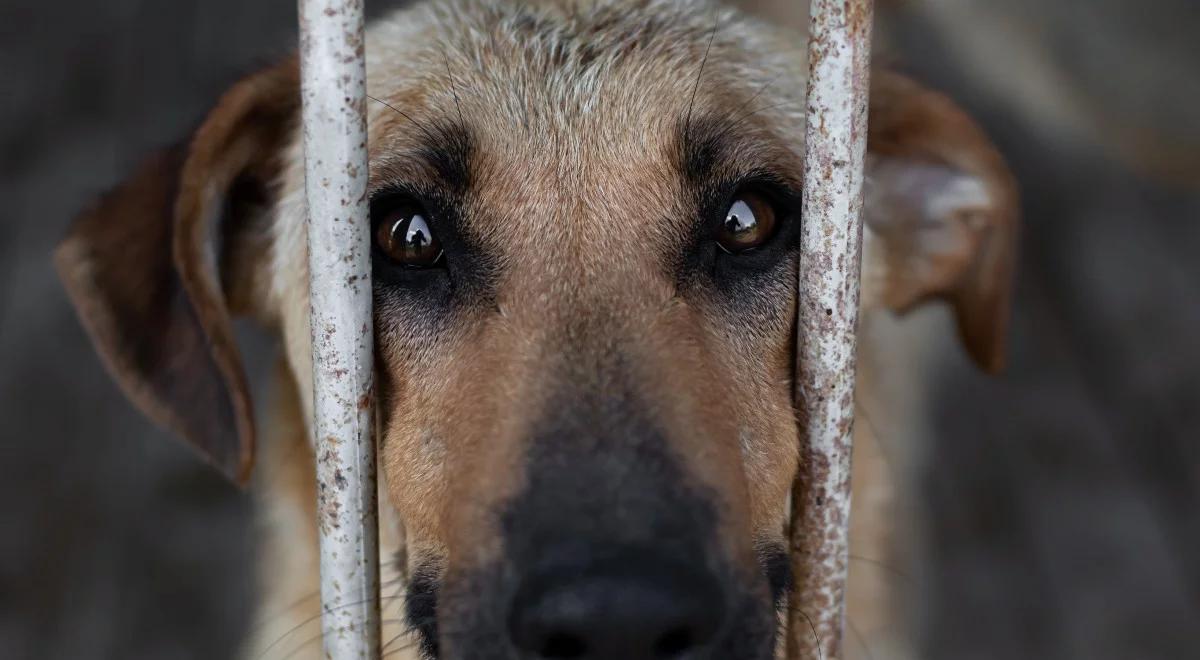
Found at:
[399, 649]
[408, 631]
[816, 638]
[313, 619]
[384, 653]
[687, 123]
[758, 93]
[400, 112]
[271, 618]
[884, 450]
[282, 612]
[875, 562]
[742, 119]
[811, 626]
[861, 639]
[453, 88]
[318, 637]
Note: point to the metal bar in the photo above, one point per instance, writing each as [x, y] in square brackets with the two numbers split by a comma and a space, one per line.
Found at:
[333, 75]
[827, 316]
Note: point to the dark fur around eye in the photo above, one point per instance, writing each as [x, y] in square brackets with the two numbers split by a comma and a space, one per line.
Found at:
[786, 206]
[462, 275]
[704, 259]
[384, 269]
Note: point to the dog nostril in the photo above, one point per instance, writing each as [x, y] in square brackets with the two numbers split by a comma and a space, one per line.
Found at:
[673, 643]
[563, 646]
[638, 609]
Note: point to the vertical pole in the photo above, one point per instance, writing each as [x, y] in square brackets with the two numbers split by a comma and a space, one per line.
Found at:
[333, 75]
[827, 316]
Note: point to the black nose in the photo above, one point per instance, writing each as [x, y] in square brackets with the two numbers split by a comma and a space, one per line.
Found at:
[630, 608]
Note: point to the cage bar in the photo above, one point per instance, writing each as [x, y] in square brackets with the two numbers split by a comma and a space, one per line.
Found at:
[827, 316]
[333, 87]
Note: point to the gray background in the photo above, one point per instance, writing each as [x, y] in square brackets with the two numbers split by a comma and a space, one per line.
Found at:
[1061, 502]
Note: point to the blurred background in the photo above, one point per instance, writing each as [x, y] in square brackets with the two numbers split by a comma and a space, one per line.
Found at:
[1058, 506]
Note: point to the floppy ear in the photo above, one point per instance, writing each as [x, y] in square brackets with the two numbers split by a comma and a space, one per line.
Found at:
[943, 205]
[154, 266]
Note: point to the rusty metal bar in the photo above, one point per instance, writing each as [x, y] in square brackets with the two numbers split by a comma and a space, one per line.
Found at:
[333, 74]
[827, 316]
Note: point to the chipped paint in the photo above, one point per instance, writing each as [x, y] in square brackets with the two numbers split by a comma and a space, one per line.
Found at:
[827, 316]
[334, 93]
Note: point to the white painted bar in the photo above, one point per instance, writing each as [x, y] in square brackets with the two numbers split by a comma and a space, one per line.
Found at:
[333, 75]
[827, 313]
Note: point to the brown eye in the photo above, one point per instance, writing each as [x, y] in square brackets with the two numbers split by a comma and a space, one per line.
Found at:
[405, 237]
[748, 223]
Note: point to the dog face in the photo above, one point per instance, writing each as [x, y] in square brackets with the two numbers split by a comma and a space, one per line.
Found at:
[585, 221]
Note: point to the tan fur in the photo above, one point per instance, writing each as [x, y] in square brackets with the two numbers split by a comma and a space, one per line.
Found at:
[576, 191]
[565, 183]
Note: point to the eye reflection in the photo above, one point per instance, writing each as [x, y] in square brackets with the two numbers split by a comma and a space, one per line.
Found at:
[405, 237]
[748, 223]
[740, 220]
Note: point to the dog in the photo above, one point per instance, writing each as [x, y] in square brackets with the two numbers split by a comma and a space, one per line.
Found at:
[585, 219]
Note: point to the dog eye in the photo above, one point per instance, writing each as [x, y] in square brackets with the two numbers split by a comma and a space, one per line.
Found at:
[403, 234]
[748, 223]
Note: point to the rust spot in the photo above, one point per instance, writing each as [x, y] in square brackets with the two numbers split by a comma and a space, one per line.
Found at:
[858, 16]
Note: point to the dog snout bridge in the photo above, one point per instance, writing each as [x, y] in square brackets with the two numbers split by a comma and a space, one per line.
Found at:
[335, 138]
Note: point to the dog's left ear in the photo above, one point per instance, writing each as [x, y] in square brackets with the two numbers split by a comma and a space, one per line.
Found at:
[157, 268]
[943, 206]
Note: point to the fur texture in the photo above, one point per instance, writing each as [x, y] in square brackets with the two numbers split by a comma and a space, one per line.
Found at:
[575, 159]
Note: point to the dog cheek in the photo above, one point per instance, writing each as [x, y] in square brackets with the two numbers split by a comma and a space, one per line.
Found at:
[414, 467]
[759, 364]
[770, 447]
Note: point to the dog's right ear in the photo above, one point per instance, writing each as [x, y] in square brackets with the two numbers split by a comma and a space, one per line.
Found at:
[155, 267]
[944, 205]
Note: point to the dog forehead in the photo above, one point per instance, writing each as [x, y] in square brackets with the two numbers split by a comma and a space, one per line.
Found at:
[549, 79]
[572, 111]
